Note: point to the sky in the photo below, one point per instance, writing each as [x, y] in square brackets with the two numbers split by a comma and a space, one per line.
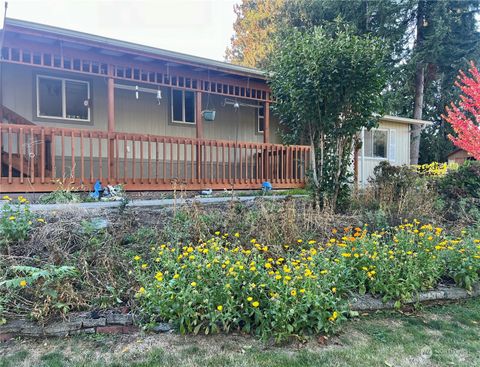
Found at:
[195, 27]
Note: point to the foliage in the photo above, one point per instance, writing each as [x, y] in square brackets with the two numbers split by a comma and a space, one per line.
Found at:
[45, 285]
[254, 26]
[465, 118]
[459, 191]
[225, 283]
[15, 221]
[434, 168]
[63, 194]
[327, 86]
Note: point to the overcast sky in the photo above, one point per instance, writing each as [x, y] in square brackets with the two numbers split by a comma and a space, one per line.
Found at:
[196, 27]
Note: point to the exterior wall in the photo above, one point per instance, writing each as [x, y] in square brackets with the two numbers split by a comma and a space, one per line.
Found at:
[143, 116]
[459, 157]
[401, 145]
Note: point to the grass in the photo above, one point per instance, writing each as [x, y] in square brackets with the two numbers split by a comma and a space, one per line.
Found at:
[437, 336]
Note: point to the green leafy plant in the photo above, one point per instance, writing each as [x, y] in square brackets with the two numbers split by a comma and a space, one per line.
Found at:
[16, 220]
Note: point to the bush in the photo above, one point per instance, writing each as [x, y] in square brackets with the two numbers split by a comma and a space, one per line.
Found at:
[395, 193]
[225, 284]
[16, 220]
[460, 193]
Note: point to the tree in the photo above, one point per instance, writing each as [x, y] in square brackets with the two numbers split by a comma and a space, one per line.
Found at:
[254, 28]
[427, 42]
[465, 118]
[327, 86]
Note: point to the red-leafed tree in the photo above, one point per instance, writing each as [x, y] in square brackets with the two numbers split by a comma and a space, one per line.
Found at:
[465, 117]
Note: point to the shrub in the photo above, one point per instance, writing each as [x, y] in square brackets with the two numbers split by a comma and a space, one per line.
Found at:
[225, 284]
[220, 286]
[16, 220]
[460, 193]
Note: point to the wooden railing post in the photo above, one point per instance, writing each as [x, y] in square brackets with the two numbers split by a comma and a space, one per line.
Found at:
[199, 133]
[111, 122]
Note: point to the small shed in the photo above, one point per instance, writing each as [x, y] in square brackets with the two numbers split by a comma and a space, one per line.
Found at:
[459, 156]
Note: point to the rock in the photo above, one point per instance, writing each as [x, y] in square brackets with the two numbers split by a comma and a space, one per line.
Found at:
[163, 327]
[87, 323]
[119, 319]
[62, 328]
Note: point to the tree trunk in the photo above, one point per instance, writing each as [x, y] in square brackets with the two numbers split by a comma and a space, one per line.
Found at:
[419, 82]
[417, 114]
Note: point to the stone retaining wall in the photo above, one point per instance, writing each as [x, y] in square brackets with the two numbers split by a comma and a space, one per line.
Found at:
[78, 323]
[123, 323]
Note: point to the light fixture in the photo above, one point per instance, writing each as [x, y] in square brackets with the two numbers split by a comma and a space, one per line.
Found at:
[159, 96]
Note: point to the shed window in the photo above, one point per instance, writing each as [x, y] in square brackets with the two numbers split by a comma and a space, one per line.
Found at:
[183, 106]
[375, 143]
[261, 119]
[61, 98]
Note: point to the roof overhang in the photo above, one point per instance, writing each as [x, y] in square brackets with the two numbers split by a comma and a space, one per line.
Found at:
[109, 45]
[405, 120]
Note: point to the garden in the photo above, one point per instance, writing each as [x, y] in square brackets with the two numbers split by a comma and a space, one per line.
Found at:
[273, 269]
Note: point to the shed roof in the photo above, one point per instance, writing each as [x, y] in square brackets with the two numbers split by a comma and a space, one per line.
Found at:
[404, 120]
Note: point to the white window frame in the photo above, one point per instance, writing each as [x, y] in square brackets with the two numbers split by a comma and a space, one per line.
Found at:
[183, 107]
[64, 98]
[259, 117]
[387, 148]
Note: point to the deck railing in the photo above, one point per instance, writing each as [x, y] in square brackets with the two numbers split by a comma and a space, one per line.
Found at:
[36, 158]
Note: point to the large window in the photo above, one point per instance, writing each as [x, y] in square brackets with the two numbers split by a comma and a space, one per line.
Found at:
[183, 106]
[261, 119]
[375, 143]
[61, 98]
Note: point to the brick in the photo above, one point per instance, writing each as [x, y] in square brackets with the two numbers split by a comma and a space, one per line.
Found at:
[6, 337]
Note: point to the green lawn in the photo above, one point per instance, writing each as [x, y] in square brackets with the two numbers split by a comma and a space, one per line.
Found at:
[439, 336]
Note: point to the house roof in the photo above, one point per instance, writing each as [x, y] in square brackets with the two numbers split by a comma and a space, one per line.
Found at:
[404, 120]
[457, 151]
[128, 47]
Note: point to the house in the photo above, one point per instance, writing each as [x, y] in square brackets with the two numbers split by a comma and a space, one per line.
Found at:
[390, 141]
[459, 156]
[77, 107]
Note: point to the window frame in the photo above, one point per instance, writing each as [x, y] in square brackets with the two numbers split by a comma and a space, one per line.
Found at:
[64, 98]
[387, 147]
[183, 107]
[260, 117]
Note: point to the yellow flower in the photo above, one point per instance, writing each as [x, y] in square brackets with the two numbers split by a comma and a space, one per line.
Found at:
[144, 266]
[334, 316]
[346, 254]
[293, 292]
[249, 299]
[334, 290]
[217, 233]
[41, 220]
[255, 304]
[237, 234]
[6, 197]
[220, 308]
[23, 283]
[137, 258]
[159, 276]
[302, 290]
[193, 284]
[11, 217]
[141, 290]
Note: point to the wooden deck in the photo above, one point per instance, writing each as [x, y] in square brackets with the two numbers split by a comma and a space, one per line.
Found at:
[35, 158]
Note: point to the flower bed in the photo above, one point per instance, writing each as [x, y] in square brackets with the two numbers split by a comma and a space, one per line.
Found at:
[228, 283]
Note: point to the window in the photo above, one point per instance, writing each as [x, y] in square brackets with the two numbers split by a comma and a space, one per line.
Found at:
[61, 98]
[375, 143]
[261, 119]
[183, 106]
